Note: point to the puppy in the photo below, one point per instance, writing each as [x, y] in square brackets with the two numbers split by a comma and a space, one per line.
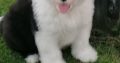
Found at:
[39, 29]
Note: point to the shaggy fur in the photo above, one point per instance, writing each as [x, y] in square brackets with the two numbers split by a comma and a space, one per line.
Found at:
[57, 30]
[19, 27]
[36, 27]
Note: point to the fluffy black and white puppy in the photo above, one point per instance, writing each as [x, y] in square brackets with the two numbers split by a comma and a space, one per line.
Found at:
[39, 29]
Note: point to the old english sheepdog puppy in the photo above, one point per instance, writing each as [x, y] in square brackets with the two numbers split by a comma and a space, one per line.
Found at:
[39, 29]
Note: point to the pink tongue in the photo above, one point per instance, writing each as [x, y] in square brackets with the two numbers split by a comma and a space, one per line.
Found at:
[63, 8]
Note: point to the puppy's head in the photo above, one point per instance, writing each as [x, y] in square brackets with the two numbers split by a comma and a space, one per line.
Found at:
[64, 6]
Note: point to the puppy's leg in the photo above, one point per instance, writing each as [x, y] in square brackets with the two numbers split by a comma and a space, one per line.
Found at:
[48, 48]
[81, 49]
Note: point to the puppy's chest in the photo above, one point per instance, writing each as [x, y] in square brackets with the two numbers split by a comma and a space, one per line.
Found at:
[68, 29]
[65, 28]
[59, 25]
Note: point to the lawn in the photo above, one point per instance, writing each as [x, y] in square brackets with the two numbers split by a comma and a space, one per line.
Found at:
[108, 47]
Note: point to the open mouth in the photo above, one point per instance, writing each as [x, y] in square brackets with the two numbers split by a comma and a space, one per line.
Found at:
[63, 7]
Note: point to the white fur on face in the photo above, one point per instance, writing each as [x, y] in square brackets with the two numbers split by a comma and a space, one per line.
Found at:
[67, 1]
[71, 2]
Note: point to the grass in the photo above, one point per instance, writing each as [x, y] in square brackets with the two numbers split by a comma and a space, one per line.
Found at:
[108, 47]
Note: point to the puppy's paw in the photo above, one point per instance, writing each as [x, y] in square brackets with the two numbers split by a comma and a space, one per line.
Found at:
[85, 55]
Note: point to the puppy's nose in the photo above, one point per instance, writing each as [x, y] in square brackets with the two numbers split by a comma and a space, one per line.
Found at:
[63, 0]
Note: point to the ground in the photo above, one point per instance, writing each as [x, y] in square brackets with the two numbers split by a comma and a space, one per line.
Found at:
[108, 47]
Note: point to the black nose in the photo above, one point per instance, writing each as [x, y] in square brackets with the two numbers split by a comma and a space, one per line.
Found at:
[63, 0]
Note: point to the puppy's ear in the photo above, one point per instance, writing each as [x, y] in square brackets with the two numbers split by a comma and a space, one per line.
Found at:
[113, 9]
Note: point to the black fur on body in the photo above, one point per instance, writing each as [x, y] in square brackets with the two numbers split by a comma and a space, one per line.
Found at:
[18, 25]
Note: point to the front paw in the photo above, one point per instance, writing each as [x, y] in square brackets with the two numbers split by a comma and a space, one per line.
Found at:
[85, 55]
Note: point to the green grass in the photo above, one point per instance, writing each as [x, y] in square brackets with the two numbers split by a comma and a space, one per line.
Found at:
[4, 4]
[108, 47]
